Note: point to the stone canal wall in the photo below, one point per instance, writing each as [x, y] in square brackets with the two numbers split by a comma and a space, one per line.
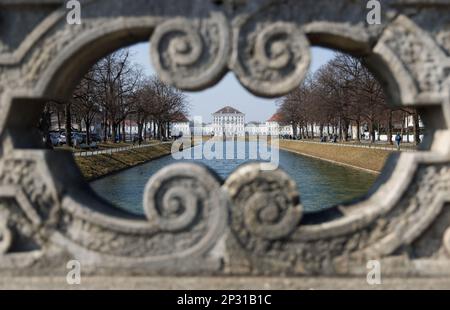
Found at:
[368, 159]
[97, 166]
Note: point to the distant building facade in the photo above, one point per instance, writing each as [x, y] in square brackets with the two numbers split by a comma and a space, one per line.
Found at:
[229, 121]
[180, 125]
[208, 129]
[254, 128]
[275, 126]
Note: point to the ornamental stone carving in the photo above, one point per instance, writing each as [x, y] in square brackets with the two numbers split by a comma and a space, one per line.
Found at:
[194, 222]
[447, 241]
[5, 235]
[266, 204]
[191, 54]
[178, 195]
[270, 59]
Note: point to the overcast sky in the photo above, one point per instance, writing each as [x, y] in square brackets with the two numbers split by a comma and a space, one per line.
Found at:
[228, 91]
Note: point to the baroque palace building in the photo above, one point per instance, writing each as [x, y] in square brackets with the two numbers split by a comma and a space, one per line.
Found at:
[229, 121]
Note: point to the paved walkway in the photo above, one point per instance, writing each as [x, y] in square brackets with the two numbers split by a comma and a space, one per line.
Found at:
[368, 146]
[115, 149]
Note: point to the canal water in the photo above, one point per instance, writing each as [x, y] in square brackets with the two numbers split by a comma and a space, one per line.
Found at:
[321, 184]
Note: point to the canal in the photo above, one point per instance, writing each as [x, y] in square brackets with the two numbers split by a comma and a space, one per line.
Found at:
[321, 184]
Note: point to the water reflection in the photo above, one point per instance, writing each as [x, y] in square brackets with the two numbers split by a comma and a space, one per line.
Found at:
[321, 184]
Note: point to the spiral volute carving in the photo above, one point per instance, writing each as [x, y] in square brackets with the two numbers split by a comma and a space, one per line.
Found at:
[265, 204]
[191, 54]
[177, 195]
[271, 60]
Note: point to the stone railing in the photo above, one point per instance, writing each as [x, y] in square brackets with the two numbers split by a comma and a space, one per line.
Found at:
[113, 150]
[253, 222]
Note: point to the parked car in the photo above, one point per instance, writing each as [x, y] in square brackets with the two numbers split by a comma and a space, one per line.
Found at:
[78, 138]
[54, 138]
[62, 138]
[95, 137]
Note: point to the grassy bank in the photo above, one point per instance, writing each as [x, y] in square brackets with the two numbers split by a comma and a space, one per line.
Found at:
[364, 158]
[96, 166]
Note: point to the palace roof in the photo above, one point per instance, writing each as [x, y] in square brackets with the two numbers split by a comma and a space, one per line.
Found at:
[179, 118]
[275, 118]
[228, 110]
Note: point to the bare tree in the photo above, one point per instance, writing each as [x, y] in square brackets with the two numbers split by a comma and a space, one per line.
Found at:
[117, 81]
[85, 102]
[342, 93]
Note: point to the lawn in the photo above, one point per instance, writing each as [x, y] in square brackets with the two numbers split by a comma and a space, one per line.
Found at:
[372, 159]
[97, 166]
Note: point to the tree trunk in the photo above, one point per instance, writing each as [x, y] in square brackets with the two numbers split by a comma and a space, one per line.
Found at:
[131, 132]
[68, 125]
[88, 131]
[379, 132]
[403, 125]
[153, 129]
[389, 137]
[114, 131]
[105, 129]
[346, 126]
[58, 116]
[44, 126]
[358, 130]
[407, 128]
[416, 127]
[140, 127]
[124, 136]
[372, 131]
[294, 129]
[145, 131]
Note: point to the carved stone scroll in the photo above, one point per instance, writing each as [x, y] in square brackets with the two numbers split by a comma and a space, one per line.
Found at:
[270, 59]
[5, 236]
[191, 54]
[265, 205]
[446, 241]
[253, 223]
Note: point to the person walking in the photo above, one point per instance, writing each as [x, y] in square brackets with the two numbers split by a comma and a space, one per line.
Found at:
[398, 141]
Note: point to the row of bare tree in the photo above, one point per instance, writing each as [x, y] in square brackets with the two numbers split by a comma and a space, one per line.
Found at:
[112, 92]
[341, 94]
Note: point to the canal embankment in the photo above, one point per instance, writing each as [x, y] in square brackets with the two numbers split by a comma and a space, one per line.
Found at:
[102, 164]
[370, 159]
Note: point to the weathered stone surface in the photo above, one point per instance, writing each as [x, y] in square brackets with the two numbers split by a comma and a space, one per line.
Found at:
[5, 234]
[222, 283]
[253, 223]
[191, 53]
